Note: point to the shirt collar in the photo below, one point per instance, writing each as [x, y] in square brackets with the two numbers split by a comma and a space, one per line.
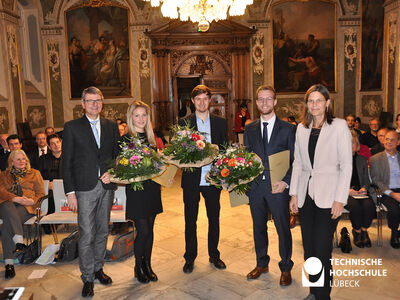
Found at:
[90, 120]
[271, 121]
[392, 156]
[198, 118]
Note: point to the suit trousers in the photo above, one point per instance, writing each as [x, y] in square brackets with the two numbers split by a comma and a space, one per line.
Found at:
[393, 207]
[14, 216]
[191, 199]
[278, 205]
[93, 217]
[317, 228]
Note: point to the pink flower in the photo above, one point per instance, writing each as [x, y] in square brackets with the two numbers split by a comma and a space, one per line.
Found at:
[134, 160]
[240, 160]
[219, 162]
[200, 144]
[201, 137]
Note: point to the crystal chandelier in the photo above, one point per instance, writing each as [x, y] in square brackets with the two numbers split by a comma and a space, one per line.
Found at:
[201, 11]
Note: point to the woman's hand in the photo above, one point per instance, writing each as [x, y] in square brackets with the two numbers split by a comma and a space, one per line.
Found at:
[105, 178]
[293, 204]
[25, 201]
[337, 209]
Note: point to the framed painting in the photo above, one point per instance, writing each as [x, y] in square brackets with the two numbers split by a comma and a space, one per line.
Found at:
[98, 49]
[304, 45]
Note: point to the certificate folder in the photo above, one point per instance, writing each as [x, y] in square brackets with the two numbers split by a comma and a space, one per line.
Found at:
[279, 164]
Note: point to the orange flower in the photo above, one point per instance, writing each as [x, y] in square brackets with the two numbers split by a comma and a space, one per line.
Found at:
[232, 162]
[224, 172]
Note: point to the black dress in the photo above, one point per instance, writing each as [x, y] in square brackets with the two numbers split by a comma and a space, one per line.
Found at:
[144, 203]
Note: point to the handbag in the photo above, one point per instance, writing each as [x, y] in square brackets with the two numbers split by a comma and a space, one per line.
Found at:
[30, 254]
[123, 246]
[69, 248]
[345, 244]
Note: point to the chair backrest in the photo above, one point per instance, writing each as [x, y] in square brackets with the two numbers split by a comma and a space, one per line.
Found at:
[119, 198]
[60, 199]
[45, 204]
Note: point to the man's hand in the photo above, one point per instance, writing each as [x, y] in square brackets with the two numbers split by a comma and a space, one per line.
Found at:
[337, 209]
[278, 187]
[293, 204]
[25, 201]
[105, 178]
[395, 196]
[72, 202]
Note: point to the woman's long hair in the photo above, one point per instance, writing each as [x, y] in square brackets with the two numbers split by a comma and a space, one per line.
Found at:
[12, 156]
[148, 128]
[307, 117]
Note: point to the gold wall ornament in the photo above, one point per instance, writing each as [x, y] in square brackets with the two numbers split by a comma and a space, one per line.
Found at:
[258, 53]
[392, 36]
[350, 48]
[53, 58]
[144, 54]
[12, 49]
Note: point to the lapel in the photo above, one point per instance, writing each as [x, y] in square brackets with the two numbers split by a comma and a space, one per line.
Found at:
[102, 131]
[256, 135]
[320, 142]
[307, 132]
[275, 131]
[213, 129]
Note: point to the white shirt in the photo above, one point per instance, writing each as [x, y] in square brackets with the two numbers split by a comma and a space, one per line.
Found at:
[40, 151]
[270, 126]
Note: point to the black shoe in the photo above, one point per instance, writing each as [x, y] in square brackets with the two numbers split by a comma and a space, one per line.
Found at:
[345, 244]
[365, 239]
[218, 263]
[140, 274]
[87, 290]
[102, 277]
[10, 272]
[149, 271]
[394, 240]
[357, 239]
[188, 267]
[19, 249]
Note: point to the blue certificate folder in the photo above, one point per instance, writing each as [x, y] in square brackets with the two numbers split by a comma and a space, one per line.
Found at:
[237, 199]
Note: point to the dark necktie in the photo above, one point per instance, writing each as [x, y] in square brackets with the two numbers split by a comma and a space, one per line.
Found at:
[43, 151]
[265, 137]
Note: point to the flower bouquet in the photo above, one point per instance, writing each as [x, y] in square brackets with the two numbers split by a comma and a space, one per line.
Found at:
[188, 148]
[136, 163]
[234, 169]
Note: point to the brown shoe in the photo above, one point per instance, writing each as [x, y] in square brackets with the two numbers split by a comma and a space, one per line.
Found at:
[256, 272]
[286, 278]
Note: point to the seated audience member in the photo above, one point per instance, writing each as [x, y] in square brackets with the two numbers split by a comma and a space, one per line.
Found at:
[398, 123]
[123, 123]
[121, 129]
[14, 142]
[369, 138]
[39, 150]
[292, 120]
[4, 151]
[385, 173]
[20, 188]
[381, 138]
[49, 131]
[161, 142]
[357, 125]
[360, 205]
[350, 119]
[50, 165]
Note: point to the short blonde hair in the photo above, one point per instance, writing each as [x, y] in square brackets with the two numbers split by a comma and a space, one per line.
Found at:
[12, 156]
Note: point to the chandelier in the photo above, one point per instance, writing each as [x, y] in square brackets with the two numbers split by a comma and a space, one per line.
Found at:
[201, 11]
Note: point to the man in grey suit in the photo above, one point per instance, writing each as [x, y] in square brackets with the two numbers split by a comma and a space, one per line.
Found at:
[89, 144]
[385, 173]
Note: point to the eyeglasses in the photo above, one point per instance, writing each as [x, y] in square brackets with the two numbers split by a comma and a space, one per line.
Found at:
[265, 99]
[94, 101]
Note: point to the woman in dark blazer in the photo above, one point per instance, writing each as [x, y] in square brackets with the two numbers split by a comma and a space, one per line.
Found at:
[319, 186]
[143, 206]
[20, 188]
[359, 204]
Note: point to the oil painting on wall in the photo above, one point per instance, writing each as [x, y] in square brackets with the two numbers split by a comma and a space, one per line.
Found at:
[303, 45]
[98, 50]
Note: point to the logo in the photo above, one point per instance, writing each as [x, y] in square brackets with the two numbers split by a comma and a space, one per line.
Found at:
[312, 266]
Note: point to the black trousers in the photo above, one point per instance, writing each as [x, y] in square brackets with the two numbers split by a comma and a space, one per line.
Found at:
[144, 239]
[362, 212]
[191, 199]
[317, 228]
[393, 207]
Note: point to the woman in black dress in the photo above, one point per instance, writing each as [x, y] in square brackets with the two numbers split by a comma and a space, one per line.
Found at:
[143, 206]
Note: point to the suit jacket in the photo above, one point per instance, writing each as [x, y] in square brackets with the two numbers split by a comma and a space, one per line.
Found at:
[333, 164]
[219, 136]
[4, 159]
[282, 138]
[31, 184]
[82, 158]
[34, 157]
[380, 171]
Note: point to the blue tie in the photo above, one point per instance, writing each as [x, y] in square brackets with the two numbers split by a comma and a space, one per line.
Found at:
[265, 137]
[95, 132]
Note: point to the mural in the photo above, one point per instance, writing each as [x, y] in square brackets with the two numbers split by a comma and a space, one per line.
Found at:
[98, 50]
[37, 116]
[4, 120]
[371, 105]
[372, 44]
[289, 107]
[111, 111]
[304, 52]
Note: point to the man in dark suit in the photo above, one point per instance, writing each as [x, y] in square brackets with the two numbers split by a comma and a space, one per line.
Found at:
[14, 142]
[193, 183]
[4, 151]
[39, 150]
[385, 173]
[89, 144]
[267, 136]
